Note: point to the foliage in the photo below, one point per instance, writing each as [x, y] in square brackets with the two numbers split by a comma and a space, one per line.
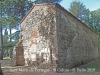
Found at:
[78, 9]
[6, 58]
[18, 8]
[95, 21]
[12, 11]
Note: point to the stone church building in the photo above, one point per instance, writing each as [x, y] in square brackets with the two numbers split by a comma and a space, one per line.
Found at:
[51, 35]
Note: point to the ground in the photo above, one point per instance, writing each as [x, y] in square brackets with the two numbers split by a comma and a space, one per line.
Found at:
[22, 70]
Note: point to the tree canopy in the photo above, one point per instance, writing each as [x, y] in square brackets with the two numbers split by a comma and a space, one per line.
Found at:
[78, 9]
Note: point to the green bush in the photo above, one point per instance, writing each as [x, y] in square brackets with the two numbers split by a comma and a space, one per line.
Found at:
[6, 58]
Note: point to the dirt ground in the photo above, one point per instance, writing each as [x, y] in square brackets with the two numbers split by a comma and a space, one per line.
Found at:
[49, 73]
[22, 70]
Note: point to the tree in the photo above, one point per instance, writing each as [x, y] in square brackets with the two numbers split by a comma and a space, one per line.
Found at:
[11, 11]
[78, 9]
[16, 10]
[86, 17]
[95, 21]
[47, 1]
[2, 19]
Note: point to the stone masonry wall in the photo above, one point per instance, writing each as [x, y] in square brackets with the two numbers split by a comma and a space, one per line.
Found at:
[50, 35]
[38, 31]
[77, 44]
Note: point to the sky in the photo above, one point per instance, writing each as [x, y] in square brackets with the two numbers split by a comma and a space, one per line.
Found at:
[90, 4]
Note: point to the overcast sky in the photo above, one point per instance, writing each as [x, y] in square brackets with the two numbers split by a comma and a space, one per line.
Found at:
[90, 4]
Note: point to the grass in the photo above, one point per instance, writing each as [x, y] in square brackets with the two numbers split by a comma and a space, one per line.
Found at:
[6, 58]
[95, 64]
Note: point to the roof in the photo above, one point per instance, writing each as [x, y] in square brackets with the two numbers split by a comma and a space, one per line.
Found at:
[60, 7]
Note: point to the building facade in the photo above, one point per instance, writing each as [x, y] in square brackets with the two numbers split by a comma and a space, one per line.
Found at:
[51, 35]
